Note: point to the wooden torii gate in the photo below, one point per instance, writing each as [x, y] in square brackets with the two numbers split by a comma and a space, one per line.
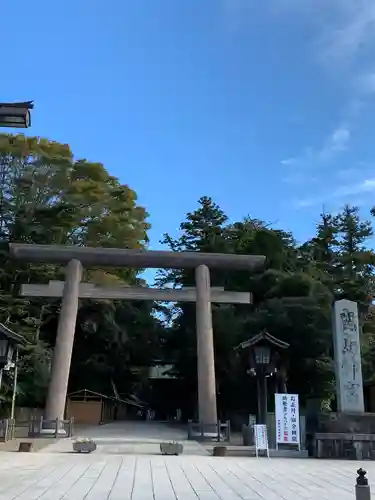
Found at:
[72, 289]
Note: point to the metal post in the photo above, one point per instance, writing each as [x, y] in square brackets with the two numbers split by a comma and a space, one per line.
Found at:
[14, 387]
[205, 349]
[265, 399]
[262, 398]
[62, 355]
[6, 433]
[362, 488]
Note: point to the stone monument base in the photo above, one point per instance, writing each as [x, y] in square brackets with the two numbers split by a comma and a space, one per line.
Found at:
[360, 423]
[249, 451]
[345, 435]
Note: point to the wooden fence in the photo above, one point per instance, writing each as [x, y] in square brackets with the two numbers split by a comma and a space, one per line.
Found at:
[11, 428]
[215, 432]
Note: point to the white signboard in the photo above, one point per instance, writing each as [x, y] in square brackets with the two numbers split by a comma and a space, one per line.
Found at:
[349, 383]
[287, 419]
[261, 438]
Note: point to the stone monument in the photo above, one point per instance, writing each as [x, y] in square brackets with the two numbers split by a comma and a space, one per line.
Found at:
[349, 432]
[347, 351]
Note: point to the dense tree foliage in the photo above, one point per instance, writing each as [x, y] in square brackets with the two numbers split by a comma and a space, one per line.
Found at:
[49, 197]
[293, 298]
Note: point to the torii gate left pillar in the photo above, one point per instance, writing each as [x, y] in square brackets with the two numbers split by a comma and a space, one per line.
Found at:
[207, 407]
[62, 354]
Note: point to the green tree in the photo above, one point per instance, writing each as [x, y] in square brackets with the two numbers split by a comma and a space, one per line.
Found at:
[355, 259]
[318, 256]
[203, 230]
[289, 302]
[48, 197]
[123, 339]
[340, 256]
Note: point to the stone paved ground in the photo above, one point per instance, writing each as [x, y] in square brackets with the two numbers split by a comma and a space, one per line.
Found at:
[142, 438]
[55, 476]
[113, 473]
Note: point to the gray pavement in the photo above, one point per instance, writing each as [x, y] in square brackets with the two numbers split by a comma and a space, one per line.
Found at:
[142, 438]
[112, 473]
[45, 476]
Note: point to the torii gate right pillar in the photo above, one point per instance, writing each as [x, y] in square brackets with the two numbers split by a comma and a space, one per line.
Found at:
[207, 406]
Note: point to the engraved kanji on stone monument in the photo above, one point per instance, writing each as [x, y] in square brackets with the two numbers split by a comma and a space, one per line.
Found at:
[349, 384]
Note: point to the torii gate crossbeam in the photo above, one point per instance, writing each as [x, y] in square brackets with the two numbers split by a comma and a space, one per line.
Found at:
[91, 291]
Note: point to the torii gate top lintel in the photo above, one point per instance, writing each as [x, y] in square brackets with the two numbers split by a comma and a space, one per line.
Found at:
[117, 257]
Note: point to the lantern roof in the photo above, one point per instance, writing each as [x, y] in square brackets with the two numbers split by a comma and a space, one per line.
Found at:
[263, 337]
[13, 337]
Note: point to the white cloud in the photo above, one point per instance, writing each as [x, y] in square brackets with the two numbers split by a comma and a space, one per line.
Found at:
[336, 143]
[235, 14]
[289, 161]
[299, 177]
[368, 185]
[347, 174]
[344, 29]
[339, 139]
[343, 42]
[342, 34]
[342, 192]
[305, 159]
[348, 30]
[366, 84]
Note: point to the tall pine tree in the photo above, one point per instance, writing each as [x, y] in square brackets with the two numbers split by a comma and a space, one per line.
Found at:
[355, 258]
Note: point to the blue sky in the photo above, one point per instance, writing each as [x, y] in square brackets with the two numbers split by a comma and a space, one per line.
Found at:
[267, 106]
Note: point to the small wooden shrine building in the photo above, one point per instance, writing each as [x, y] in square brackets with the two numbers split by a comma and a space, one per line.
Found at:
[92, 408]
